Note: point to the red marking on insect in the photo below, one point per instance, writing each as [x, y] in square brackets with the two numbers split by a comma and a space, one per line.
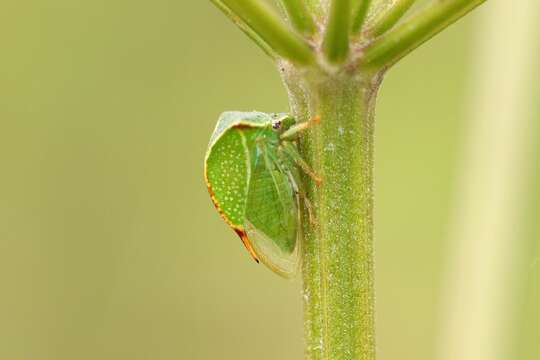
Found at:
[240, 231]
[245, 241]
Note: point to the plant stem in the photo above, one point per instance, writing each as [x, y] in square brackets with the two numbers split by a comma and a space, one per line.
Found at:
[390, 16]
[272, 30]
[421, 27]
[245, 29]
[300, 18]
[337, 243]
[316, 9]
[360, 15]
[336, 42]
[338, 247]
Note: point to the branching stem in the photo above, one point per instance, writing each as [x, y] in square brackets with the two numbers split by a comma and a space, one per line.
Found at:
[336, 42]
[272, 30]
[300, 18]
[245, 29]
[412, 33]
[360, 15]
[337, 244]
[387, 19]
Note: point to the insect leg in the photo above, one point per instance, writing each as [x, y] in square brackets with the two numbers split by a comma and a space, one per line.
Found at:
[294, 130]
[271, 165]
[300, 194]
[309, 209]
[289, 149]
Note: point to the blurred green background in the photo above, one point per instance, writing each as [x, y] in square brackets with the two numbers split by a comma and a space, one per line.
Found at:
[109, 245]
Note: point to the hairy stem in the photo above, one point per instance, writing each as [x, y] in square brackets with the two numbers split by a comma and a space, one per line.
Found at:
[390, 17]
[245, 29]
[412, 33]
[338, 246]
[336, 42]
[360, 15]
[299, 16]
[272, 30]
[317, 9]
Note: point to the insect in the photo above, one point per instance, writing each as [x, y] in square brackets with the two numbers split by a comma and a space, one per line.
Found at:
[251, 171]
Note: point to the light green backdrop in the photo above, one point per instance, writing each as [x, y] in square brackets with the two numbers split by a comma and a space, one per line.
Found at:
[109, 245]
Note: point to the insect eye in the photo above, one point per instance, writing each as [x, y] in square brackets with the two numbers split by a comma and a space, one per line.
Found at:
[276, 125]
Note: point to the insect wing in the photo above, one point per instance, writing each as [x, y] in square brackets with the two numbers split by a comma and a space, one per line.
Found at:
[272, 218]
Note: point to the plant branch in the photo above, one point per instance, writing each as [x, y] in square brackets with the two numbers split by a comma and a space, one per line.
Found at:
[245, 29]
[336, 42]
[271, 29]
[337, 237]
[360, 15]
[300, 17]
[388, 18]
[400, 41]
[315, 8]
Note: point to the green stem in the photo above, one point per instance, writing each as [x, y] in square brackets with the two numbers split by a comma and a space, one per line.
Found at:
[421, 27]
[337, 243]
[272, 30]
[390, 16]
[316, 9]
[360, 15]
[245, 29]
[336, 42]
[338, 246]
[299, 16]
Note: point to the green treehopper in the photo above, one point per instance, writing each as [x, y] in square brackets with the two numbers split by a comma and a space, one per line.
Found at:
[251, 171]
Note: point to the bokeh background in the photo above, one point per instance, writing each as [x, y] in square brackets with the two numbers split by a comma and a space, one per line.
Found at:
[109, 245]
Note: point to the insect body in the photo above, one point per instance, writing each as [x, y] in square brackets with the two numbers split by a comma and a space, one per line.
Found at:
[251, 174]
